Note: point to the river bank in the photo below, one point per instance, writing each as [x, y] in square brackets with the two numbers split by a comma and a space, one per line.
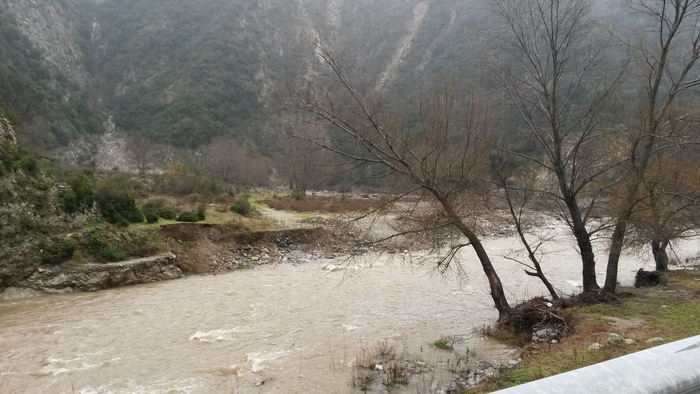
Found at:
[193, 249]
[640, 318]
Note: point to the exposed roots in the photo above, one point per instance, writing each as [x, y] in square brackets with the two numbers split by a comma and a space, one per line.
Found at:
[537, 320]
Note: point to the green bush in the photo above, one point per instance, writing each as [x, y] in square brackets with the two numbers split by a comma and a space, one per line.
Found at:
[151, 217]
[201, 212]
[14, 158]
[80, 194]
[98, 245]
[242, 205]
[56, 251]
[168, 214]
[190, 217]
[116, 202]
[159, 208]
[106, 242]
[298, 195]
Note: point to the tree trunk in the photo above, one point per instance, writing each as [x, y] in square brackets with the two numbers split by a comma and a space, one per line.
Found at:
[583, 239]
[616, 242]
[497, 293]
[618, 237]
[658, 248]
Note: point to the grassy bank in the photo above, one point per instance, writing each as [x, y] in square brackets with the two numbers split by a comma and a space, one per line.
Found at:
[670, 311]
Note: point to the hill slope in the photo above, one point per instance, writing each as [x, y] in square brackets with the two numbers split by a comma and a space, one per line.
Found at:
[182, 72]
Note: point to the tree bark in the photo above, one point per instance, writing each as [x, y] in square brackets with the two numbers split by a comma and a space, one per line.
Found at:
[639, 165]
[658, 249]
[497, 293]
[583, 240]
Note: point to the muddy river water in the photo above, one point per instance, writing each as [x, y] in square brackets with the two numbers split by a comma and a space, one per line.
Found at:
[280, 328]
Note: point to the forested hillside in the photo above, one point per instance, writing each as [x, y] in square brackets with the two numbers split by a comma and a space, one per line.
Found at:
[49, 107]
[183, 72]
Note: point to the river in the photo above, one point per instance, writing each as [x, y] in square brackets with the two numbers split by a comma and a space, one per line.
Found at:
[280, 328]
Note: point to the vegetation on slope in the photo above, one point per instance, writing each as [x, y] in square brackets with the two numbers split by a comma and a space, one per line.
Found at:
[53, 110]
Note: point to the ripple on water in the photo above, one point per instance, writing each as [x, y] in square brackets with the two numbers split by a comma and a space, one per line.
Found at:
[215, 335]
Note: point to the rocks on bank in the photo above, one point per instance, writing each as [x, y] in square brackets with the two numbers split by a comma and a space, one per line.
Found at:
[93, 277]
[195, 249]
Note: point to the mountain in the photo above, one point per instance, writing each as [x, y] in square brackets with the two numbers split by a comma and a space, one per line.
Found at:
[181, 72]
[184, 71]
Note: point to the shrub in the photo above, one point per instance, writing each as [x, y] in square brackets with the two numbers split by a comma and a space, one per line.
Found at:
[242, 205]
[190, 217]
[116, 202]
[80, 194]
[98, 245]
[56, 251]
[159, 208]
[298, 194]
[14, 158]
[151, 217]
[187, 178]
[168, 214]
[201, 212]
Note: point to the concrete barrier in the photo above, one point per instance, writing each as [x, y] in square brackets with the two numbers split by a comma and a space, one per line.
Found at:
[669, 368]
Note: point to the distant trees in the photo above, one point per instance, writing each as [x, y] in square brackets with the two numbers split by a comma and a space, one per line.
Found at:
[231, 162]
[442, 159]
[306, 165]
[142, 151]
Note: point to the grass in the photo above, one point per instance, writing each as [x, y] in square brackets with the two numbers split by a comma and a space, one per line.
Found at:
[671, 311]
[342, 204]
[383, 364]
[444, 343]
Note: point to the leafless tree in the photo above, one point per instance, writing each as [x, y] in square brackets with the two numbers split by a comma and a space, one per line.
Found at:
[221, 157]
[550, 70]
[668, 207]
[142, 150]
[518, 196]
[306, 165]
[667, 52]
[228, 159]
[442, 158]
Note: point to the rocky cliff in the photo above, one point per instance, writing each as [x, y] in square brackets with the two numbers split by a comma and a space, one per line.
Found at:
[52, 30]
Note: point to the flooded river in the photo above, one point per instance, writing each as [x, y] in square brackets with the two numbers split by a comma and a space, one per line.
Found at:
[286, 328]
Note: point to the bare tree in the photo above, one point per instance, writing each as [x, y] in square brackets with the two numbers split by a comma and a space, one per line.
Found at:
[517, 196]
[667, 52]
[305, 164]
[222, 156]
[142, 150]
[550, 73]
[669, 202]
[441, 159]
[229, 160]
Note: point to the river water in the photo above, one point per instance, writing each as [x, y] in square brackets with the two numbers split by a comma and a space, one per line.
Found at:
[285, 328]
